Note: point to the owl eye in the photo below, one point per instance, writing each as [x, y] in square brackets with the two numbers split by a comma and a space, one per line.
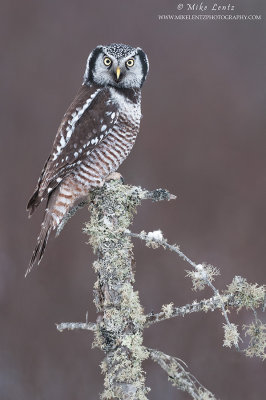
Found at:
[130, 62]
[107, 61]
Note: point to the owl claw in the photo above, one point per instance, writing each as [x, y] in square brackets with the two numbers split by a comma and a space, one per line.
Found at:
[115, 176]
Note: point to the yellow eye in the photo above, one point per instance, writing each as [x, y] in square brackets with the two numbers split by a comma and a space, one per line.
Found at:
[130, 62]
[107, 61]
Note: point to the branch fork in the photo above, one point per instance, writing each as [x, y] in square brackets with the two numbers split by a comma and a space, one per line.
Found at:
[118, 331]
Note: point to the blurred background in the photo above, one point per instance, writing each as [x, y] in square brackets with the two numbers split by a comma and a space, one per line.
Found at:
[202, 137]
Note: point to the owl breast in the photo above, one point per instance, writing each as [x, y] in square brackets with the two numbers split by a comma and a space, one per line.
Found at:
[114, 149]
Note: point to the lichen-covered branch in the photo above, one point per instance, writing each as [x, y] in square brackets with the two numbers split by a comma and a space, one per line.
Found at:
[239, 294]
[170, 311]
[179, 377]
[71, 326]
[118, 330]
[202, 275]
[257, 344]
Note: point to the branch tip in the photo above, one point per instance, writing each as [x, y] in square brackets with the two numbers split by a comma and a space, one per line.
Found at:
[71, 326]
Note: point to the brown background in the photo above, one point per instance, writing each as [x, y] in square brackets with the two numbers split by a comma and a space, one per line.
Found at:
[202, 137]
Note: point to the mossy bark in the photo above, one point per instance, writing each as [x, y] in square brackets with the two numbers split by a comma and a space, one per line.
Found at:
[121, 321]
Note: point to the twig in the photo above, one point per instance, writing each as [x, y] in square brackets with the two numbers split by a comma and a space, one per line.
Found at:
[169, 311]
[156, 195]
[69, 215]
[163, 242]
[179, 377]
[71, 326]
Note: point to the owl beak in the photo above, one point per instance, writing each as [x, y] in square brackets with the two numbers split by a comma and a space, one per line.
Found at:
[118, 72]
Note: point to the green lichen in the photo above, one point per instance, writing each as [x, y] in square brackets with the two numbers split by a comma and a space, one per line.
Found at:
[231, 335]
[249, 296]
[203, 274]
[257, 345]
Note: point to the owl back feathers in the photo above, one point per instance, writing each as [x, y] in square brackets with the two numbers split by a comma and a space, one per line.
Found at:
[88, 120]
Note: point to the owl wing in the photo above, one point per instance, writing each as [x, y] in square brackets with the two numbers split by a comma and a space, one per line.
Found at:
[89, 119]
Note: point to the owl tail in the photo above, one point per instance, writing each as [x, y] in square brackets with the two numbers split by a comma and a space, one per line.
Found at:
[47, 226]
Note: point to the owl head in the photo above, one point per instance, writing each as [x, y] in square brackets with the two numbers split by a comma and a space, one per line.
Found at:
[117, 65]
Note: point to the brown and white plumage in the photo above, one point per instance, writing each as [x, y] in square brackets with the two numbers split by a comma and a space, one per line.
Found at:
[95, 136]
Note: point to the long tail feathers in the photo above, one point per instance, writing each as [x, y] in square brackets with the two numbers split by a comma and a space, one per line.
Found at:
[41, 242]
[33, 203]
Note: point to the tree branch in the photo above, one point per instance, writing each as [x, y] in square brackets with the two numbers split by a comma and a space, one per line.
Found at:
[118, 331]
[169, 311]
[71, 326]
[69, 215]
[120, 326]
[203, 273]
[179, 377]
[238, 294]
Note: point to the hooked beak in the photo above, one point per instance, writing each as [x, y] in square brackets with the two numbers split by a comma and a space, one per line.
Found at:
[118, 72]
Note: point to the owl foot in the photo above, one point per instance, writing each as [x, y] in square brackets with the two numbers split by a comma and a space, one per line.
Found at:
[115, 176]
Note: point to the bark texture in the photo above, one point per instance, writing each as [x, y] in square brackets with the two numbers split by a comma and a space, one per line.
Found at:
[121, 320]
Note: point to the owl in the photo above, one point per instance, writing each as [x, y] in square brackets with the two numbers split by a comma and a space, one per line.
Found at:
[95, 136]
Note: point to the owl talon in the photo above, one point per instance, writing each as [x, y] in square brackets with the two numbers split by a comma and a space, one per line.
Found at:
[115, 176]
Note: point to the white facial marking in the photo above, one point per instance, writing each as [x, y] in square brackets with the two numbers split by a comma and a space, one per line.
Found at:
[130, 77]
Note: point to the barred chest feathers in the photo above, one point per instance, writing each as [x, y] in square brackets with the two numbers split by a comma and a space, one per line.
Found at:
[116, 146]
